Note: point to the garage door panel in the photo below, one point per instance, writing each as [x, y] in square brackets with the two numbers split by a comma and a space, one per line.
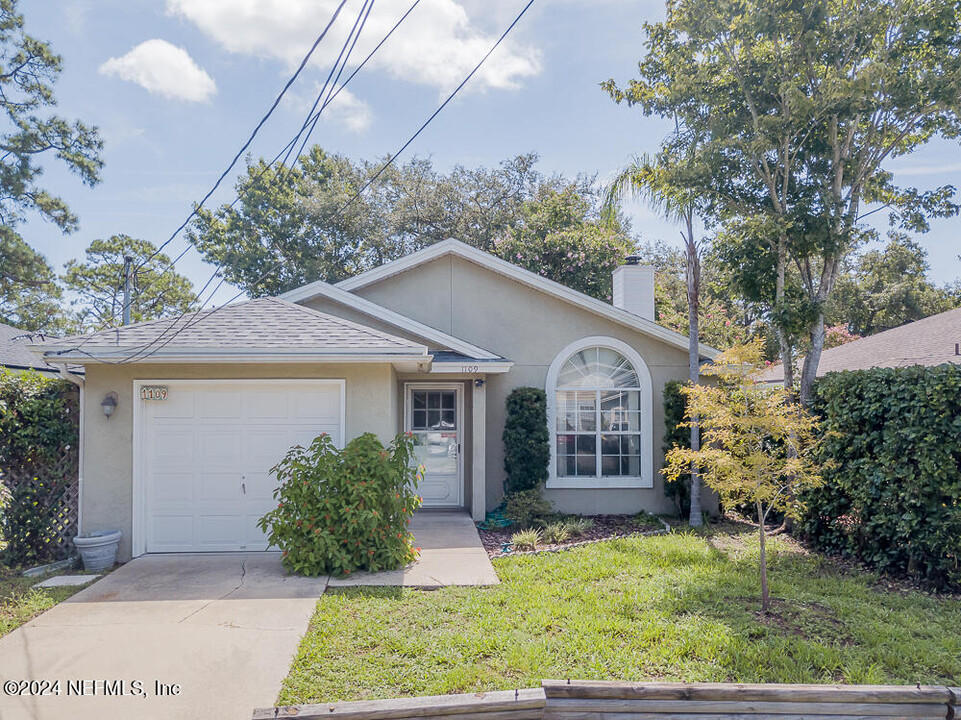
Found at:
[268, 405]
[260, 486]
[224, 403]
[173, 531]
[318, 405]
[171, 447]
[220, 486]
[219, 446]
[207, 471]
[176, 486]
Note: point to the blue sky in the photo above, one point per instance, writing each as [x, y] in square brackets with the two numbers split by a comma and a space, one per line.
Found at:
[177, 85]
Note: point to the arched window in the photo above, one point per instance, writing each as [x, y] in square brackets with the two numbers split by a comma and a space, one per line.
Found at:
[599, 404]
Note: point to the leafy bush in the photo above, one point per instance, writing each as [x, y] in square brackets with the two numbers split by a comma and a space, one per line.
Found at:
[340, 511]
[557, 532]
[527, 449]
[679, 491]
[893, 495]
[526, 539]
[39, 423]
[527, 507]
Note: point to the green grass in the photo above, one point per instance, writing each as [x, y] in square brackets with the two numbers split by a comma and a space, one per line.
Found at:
[20, 602]
[681, 607]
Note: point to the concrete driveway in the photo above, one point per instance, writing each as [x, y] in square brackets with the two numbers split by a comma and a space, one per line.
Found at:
[222, 627]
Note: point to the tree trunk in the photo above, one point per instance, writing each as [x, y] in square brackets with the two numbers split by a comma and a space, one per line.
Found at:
[784, 341]
[693, 276]
[811, 361]
[765, 595]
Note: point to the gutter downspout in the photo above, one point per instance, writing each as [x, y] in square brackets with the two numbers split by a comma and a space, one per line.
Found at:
[78, 381]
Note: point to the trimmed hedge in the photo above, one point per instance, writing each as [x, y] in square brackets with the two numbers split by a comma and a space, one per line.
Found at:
[527, 441]
[892, 490]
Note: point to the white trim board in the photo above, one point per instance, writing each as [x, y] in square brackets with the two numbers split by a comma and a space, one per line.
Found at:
[336, 294]
[138, 519]
[554, 289]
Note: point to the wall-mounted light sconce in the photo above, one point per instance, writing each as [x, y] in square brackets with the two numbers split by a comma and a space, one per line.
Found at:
[109, 404]
[478, 383]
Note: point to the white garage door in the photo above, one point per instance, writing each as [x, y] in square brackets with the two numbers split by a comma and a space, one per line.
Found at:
[207, 449]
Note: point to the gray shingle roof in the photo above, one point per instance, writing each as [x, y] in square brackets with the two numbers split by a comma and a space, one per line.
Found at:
[260, 326]
[14, 353]
[930, 341]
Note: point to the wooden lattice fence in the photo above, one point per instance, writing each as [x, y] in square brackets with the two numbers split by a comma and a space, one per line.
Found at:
[39, 488]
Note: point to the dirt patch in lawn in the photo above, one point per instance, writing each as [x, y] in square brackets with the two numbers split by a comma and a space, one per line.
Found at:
[497, 542]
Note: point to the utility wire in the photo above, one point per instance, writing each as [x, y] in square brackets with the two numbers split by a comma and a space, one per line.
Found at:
[340, 62]
[263, 120]
[202, 316]
[285, 150]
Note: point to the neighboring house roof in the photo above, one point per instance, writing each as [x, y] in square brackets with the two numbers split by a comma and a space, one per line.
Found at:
[331, 292]
[260, 330]
[15, 353]
[931, 341]
[518, 274]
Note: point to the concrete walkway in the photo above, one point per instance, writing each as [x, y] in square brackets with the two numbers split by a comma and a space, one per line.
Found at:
[451, 554]
[224, 627]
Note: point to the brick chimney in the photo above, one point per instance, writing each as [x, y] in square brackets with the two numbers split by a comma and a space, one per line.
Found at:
[634, 288]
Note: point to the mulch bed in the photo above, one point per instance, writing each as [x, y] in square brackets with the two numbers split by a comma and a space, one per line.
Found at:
[606, 527]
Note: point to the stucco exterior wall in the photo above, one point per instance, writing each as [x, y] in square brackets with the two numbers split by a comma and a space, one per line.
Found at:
[530, 328]
[107, 496]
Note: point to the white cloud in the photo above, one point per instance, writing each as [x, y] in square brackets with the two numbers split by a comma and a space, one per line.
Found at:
[436, 46]
[162, 69]
[349, 110]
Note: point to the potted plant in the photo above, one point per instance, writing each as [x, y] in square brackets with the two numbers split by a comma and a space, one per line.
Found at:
[98, 550]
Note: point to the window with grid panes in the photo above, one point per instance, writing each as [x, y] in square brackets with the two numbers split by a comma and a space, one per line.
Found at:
[598, 416]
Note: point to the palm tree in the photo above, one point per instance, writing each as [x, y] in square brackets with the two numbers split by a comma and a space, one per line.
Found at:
[655, 181]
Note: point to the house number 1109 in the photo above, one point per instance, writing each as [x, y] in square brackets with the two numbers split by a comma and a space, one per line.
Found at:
[153, 392]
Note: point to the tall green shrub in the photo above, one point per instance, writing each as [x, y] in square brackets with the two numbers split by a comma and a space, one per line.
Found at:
[678, 490]
[893, 495]
[340, 511]
[527, 449]
[39, 424]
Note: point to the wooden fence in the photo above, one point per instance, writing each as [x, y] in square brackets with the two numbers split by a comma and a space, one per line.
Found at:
[594, 700]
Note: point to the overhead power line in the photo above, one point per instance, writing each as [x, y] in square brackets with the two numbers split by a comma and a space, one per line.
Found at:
[200, 316]
[311, 120]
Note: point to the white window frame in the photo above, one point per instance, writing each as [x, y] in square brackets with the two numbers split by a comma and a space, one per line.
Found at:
[646, 478]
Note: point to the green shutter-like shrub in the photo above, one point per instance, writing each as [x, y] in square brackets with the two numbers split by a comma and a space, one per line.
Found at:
[892, 493]
[340, 511]
[679, 490]
[527, 450]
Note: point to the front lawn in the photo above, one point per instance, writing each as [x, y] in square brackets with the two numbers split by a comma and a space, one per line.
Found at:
[680, 607]
[20, 602]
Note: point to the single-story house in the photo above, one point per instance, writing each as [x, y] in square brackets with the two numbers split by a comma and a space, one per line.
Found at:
[183, 418]
[933, 340]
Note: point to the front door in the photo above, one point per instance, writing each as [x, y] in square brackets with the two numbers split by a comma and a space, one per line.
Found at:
[434, 415]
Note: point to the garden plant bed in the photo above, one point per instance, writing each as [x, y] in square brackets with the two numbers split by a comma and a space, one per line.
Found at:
[606, 527]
